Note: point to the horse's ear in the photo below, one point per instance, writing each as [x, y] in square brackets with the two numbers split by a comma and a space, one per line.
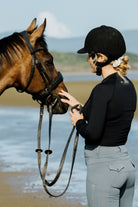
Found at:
[32, 25]
[37, 32]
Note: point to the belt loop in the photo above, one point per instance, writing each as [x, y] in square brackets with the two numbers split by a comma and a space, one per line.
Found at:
[120, 148]
[98, 151]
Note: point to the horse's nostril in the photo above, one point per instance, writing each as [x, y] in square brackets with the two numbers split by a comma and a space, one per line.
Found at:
[62, 97]
[51, 100]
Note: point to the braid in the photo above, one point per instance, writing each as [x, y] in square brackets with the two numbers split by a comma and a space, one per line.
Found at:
[123, 67]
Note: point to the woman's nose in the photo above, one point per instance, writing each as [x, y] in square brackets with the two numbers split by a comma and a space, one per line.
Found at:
[87, 59]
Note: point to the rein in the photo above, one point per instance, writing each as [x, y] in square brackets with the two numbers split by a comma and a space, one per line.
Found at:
[46, 94]
[43, 172]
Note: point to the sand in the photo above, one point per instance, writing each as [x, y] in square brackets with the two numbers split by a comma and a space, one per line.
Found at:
[12, 195]
[11, 192]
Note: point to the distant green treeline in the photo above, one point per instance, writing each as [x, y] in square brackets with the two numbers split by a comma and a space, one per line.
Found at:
[73, 62]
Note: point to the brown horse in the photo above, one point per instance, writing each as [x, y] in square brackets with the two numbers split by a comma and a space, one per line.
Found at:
[27, 65]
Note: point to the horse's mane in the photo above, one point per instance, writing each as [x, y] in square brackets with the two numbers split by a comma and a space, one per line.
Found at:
[9, 46]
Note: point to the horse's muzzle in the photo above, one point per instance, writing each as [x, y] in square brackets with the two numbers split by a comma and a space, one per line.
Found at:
[58, 107]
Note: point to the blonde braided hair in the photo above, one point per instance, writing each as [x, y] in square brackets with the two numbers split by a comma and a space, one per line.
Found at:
[123, 67]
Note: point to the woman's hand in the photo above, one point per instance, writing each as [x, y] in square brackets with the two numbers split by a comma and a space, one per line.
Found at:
[67, 98]
[75, 116]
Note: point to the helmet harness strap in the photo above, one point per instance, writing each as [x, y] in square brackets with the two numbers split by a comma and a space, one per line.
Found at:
[99, 64]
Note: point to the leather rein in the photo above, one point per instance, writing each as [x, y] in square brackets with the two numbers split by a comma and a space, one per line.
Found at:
[46, 95]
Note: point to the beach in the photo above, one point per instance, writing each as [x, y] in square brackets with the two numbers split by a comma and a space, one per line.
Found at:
[18, 180]
[12, 195]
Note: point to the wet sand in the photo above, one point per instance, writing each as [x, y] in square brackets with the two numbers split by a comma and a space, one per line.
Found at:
[11, 194]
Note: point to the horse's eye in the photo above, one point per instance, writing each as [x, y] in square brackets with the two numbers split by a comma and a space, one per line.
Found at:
[49, 62]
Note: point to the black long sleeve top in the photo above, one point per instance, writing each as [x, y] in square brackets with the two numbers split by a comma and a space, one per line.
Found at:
[108, 113]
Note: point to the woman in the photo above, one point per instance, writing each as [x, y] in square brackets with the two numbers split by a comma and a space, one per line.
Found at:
[105, 121]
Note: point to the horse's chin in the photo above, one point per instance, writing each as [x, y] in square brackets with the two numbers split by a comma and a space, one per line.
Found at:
[58, 107]
[59, 110]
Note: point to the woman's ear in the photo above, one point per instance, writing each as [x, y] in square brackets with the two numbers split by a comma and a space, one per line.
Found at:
[101, 58]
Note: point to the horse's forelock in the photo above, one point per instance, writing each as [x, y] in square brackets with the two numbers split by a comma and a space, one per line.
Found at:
[42, 42]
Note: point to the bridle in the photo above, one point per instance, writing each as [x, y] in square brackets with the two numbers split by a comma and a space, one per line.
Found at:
[47, 93]
[49, 85]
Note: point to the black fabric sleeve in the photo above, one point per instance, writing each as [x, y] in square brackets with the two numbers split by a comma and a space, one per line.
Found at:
[92, 128]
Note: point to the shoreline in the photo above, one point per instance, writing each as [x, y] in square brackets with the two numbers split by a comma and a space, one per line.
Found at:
[11, 192]
[79, 89]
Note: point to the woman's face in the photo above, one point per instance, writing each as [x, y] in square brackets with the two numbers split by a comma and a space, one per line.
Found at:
[93, 66]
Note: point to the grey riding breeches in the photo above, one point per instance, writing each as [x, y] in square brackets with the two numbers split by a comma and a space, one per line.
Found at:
[110, 176]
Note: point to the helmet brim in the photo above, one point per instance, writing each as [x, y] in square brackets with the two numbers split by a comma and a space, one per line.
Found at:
[82, 50]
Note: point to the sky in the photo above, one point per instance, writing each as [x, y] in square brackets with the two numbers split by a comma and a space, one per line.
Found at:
[68, 18]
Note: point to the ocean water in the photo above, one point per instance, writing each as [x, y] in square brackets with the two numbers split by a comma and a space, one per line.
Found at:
[18, 141]
[133, 75]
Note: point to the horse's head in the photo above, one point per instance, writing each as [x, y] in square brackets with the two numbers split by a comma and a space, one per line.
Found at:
[33, 68]
[51, 80]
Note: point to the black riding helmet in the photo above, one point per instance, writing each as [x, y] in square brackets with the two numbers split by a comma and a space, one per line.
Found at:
[106, 40]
